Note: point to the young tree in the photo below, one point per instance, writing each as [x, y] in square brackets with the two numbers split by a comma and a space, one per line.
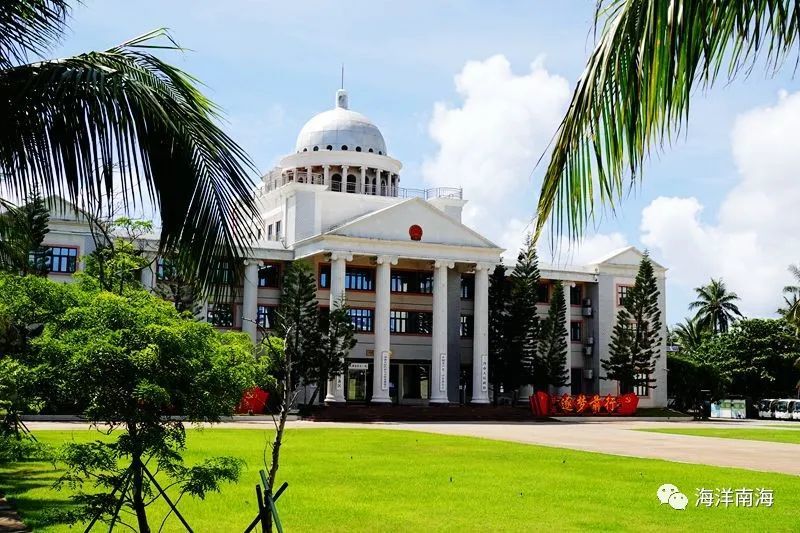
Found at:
[22, 232]
[523, 364]
[499, 336]
[118, 257]
[136, 362]
[553, 346]
[636, 338]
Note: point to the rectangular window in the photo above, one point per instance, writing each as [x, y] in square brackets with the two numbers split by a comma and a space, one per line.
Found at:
[278, 230]
[576, 295]
[358, 279]
[410, 322]
[220, 315]
[640, 388]
[266, 316]
[467, 287]
[269, 232]
[223, 274]
[412, 282]
[362, 319]
[467, 324]
[543, 293]
[622, 293]
[576, 331]
[165, 270]
[269, 275]
[57, 259]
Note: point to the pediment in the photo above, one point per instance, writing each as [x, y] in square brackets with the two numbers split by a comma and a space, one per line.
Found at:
[393, 223]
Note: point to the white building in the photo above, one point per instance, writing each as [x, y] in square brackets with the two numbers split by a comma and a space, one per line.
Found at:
[414, 276]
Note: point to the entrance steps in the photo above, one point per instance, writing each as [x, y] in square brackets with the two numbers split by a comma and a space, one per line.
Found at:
[419, 413]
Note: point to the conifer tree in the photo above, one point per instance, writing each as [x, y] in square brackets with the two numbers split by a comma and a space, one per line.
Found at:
[553, 347]
[522, 362]
[636, 339]
[499, 345]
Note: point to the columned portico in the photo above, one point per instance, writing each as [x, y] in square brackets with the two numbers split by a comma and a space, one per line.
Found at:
[480, 337]
[337, 298]
[250, 299]
[439, 340]
[382, 352]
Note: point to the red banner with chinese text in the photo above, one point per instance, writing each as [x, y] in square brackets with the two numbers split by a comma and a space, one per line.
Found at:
[543, 404]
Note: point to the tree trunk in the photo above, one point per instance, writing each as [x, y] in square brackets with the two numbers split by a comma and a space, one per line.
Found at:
[138, 501]
[276, 445]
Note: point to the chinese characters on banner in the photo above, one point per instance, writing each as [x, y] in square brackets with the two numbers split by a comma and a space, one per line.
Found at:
[543, 404]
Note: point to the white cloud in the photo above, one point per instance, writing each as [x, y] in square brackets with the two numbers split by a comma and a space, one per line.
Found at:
[490, 143]
[757, 232]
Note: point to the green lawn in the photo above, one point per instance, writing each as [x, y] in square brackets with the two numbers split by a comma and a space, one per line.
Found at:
[769, 435]
[385, 480]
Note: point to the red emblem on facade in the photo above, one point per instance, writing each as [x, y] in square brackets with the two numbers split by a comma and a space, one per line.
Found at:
[415, 232]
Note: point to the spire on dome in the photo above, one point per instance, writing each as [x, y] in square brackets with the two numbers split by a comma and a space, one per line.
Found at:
[341, 99]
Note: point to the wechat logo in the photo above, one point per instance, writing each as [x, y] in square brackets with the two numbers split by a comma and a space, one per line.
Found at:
[670, 494]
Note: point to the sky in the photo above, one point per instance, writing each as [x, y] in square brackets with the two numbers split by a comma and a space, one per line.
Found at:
[469, 93]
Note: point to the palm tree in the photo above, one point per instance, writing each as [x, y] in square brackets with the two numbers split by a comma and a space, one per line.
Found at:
[791, 312]
[715, 307]
[688, 335]
[634, 93]
[120, 122]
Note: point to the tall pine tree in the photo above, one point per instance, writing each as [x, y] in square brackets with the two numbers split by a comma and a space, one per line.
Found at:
[553, 346]
[522, 361]
[636, 338]
[499, 315]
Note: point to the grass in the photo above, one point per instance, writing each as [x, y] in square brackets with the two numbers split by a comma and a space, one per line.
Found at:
[769, 435]
[375, 480]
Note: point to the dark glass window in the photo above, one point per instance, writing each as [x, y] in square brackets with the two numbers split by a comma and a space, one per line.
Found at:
[165, 270]
[413, 322]
[575, 295]
[220, 315]
[576, 332]
[278, 230]
[467, 325]
[223, 274]
[358, 279]
[362, 319]
[467, 287]
[622, 293]
[266, 316]
[640, 389]
[269, 275]
[58, 259]
[412, 281]
[543, 293]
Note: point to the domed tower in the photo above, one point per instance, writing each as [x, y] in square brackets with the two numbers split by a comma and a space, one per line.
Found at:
[342, 150]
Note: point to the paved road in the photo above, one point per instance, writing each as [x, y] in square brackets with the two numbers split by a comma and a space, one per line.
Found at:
[615, 437]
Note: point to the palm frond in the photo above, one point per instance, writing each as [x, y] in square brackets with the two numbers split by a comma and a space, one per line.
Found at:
[71, 126]
[29, 27]
[634, 94]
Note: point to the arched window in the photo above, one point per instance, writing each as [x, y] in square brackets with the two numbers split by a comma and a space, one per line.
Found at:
[329, 147]
[380, 153]
[370, 150]
[336, 182]
[358, 148]
[384, 188]
[316, 148]
[305, 149]
[344, 147]
[374, 188]
[351, 183]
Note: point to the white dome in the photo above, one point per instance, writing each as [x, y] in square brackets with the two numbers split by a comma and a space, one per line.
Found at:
[340, 129]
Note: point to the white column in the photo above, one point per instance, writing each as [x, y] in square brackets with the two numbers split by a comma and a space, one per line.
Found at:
[148, 276]
[377, 190]
[309, 179]
[250, 298]
[326, 175]
[480, 336]
[338, 266]
[568, 326]
[439, 340]
[362, 184]
[344, 178]
[382, 351]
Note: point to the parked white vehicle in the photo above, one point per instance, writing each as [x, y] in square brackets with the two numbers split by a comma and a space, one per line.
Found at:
[765, 408]
[796, 414]
[784, 409]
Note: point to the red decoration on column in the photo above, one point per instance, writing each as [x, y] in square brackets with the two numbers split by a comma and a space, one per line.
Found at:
[415, 232]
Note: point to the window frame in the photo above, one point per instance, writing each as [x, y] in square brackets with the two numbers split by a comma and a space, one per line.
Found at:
[325, 268]
[211, 308]
[467, 287]
[47, 254]
[279, 274]
[267, 310]
[467, 322]
[419, 275]
[543, 285]
[572, 301]
[364, 313]
[618, 297]
[408, 321]
[572, 324]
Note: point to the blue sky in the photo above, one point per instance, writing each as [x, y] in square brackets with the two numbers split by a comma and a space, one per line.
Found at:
[452, 86]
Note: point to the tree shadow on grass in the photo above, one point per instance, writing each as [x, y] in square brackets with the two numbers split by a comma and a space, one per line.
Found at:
[28, 487]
